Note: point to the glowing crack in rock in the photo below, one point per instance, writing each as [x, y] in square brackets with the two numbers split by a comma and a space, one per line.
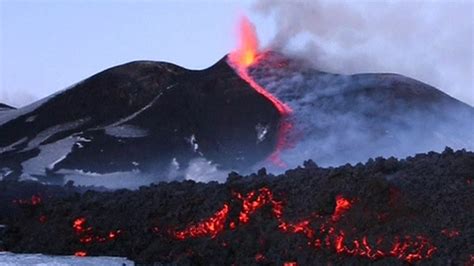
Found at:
[210, 227]
[87, 236]
[321, 232]
[33, 201]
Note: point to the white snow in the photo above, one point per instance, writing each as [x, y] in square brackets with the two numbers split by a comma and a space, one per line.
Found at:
[128, 118]
[4, 172]
[115, 180]
[194, 144]
[83, 139]
[126, 131]
[261, 132]
[50, 154]
[12, 259]
[12, 146]
[30, 119]
[173, 170]
[201, 170]
[51, 166]
[45, 134]
[10, 115]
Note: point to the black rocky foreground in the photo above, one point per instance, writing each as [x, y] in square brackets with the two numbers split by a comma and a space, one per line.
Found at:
[385, 212]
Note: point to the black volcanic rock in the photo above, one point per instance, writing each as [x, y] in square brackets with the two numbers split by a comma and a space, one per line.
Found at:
[141, 117]
[427, 197]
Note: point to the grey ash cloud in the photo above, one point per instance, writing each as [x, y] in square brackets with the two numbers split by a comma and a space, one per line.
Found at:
[431, 41]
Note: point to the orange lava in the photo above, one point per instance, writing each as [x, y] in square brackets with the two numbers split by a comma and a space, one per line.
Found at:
[243, 57]
[80, 254]
[320, 231]
[342, 205]
[33, 201]
[210, 227]
[87, 236]
[247, 50]
[259, 257]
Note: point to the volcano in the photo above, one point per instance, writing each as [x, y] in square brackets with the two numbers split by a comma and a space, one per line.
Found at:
[145, 121]
[145, 117]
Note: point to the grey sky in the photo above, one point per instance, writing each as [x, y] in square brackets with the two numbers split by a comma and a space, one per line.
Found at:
[47, 45]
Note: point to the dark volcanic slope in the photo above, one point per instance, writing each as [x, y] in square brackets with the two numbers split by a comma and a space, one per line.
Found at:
[385, 212]
[349, 118]
[4, 107]
[146, 121]
[141, 117]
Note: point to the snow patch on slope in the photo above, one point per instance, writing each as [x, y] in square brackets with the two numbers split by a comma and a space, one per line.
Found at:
[12, 259]
[10, 115]
[201, 170]
[116, 180]
[45, 134]
[126, 131]
[12, 146]
[50, 155]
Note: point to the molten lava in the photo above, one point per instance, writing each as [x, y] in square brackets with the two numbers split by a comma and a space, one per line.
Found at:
[240, 60]
[342, 205]
[80, 254]
[87, 236]
[246, 53]
[34, 201]
[210, 227]
[320, 231]
[245, 56]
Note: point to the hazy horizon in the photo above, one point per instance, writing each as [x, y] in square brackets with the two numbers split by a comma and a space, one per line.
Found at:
[49, 45]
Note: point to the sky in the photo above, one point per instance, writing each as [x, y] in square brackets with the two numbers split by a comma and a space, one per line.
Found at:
[48, 45]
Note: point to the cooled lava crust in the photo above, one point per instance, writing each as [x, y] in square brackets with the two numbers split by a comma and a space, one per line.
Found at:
[384, 212]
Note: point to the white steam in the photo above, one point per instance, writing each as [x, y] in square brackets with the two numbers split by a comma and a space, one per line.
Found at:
[340, 119]
[431, 41]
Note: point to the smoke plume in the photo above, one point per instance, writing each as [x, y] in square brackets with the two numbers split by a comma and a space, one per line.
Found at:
[431, 41]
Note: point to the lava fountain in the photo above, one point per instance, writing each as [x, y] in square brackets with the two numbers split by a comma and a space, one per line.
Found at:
[241, 59]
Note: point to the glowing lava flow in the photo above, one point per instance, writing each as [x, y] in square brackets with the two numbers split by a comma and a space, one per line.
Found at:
[34, 201]
[87, 236]
[320, 231]
[210, 227]
[243, 58]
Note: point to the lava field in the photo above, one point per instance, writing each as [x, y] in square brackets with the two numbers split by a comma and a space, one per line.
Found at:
[386, 212]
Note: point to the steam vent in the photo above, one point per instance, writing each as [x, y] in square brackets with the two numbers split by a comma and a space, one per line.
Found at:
[260, 159]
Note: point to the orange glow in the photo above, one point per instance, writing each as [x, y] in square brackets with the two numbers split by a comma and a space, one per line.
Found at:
[247, 49]
[34, 201]
[244, 56]
[210, 227]
[342, 205]
[319, 231]
[87, 236]
[80, 254]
